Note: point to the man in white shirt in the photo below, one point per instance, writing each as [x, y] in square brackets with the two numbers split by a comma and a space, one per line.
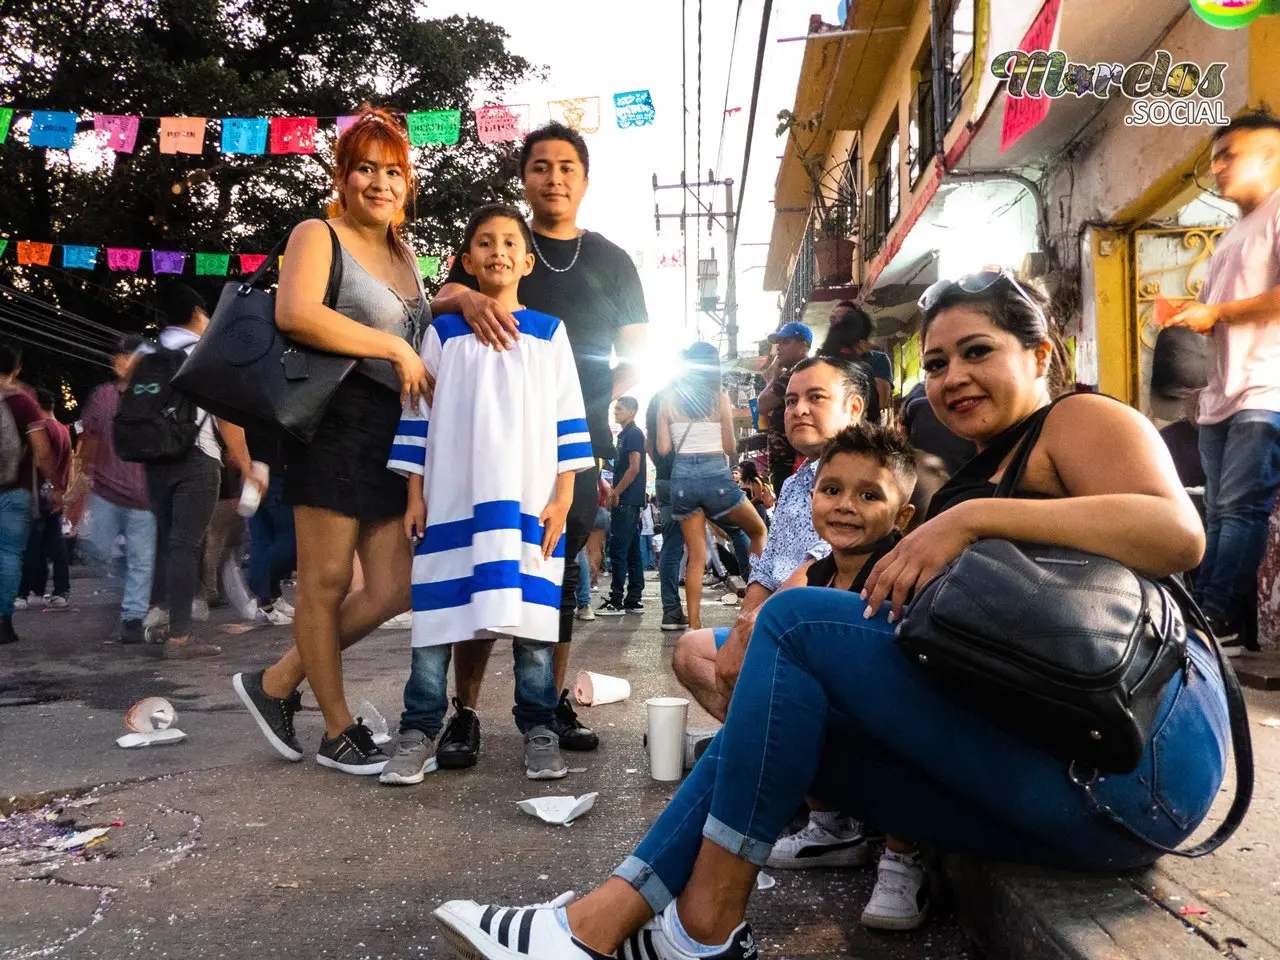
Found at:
[1239, 415]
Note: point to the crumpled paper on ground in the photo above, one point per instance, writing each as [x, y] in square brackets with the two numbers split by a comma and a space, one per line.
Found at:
[560, 810]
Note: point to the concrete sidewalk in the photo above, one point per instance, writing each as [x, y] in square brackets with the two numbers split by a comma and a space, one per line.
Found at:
[228, 851]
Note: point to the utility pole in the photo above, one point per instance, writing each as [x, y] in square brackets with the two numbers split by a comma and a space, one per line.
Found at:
[724, 314]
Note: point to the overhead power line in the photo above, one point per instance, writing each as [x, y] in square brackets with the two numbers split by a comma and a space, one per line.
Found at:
[755, 99]
[728, 82]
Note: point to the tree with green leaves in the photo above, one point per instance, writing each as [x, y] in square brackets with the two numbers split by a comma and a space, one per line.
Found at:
[220, 58]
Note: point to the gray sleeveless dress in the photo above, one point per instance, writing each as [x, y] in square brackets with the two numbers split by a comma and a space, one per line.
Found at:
[344, 468]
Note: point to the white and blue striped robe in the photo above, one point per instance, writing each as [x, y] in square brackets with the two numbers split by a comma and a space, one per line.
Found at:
[504, 424]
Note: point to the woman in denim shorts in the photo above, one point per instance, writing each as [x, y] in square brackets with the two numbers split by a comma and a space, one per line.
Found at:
[694, 421]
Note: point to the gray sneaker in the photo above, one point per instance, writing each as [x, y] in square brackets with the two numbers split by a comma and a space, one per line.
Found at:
[414, 758]
[542, 760]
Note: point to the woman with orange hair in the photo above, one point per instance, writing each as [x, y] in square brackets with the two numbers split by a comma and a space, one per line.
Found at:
[346, 502]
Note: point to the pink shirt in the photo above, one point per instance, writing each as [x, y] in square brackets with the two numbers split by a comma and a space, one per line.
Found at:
[1246, 367]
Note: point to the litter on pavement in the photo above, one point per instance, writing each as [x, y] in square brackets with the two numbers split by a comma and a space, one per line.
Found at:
[561, 810]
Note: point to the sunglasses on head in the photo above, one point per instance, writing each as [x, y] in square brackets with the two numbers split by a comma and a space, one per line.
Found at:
[973, 285]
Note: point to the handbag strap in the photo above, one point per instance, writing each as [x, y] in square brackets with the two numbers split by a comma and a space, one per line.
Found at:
[1241, 742]
[335, 266]
[1237, 710]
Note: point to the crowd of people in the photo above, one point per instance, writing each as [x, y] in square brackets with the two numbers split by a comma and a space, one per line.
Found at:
[456, 480]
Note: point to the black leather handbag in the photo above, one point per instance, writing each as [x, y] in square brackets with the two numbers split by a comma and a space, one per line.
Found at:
[1072, 648]
[245, 371]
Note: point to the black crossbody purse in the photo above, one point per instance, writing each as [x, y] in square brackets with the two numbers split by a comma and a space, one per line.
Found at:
[245, 371]
[1074, 649]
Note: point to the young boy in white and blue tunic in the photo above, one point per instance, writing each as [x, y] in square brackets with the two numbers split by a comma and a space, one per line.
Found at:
[491, 465]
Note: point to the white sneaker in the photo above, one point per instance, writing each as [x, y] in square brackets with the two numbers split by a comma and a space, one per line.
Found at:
[284, 606]
[652, 942]
[586, 613]
[403, 622]
[815, 846]
[20, 603]
[275, 616]
[156, 617]
[900, 900]
[483, 932]
[199, 610]
[58, 602]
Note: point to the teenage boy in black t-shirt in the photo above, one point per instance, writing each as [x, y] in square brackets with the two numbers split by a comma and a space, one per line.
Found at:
[592, 286]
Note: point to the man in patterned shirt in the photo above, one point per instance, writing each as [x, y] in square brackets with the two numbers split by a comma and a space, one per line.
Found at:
[823, 397]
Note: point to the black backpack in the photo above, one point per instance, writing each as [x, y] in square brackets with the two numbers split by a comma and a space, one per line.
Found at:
[154, 422]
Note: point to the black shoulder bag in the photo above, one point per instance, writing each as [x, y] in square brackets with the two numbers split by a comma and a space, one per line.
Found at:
[1076, 649]
[244, 370]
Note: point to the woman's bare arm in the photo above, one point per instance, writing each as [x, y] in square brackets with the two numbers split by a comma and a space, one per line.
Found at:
[727, 439]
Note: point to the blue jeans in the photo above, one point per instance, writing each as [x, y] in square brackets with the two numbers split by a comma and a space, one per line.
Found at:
[584, 578]
[107, 521]
[1241, 458]
[426, 694]
[673, 549]
[702, 481]
[826, 703]
[274, 546]
[646, 550]
[624, 555]
[15, 518]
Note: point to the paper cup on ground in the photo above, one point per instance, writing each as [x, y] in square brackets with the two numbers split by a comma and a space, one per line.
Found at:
[667, 719]
[594, 689]
[150, 714]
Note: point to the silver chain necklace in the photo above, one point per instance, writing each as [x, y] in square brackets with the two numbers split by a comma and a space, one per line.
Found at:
[543, 257]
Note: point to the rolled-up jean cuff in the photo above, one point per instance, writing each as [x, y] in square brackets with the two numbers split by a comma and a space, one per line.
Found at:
[645, 881]
[744, 848]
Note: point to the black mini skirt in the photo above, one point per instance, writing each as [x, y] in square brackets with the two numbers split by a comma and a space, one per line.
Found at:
[344, 468]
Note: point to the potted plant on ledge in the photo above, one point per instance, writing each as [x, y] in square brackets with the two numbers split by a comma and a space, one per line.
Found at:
[835, 217]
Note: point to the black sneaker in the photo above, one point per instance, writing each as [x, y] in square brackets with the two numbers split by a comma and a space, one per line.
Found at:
[352, 751]
[675, 620]
[273, 715]
[131, 631]
[610, 609]
[459, 745]
[637, 607]
[573, 735]
[1228, 637]
[7, 634]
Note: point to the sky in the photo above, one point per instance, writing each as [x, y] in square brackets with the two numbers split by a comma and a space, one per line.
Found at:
[590, 49]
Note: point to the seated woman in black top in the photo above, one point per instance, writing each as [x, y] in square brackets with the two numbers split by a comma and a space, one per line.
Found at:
[825, 703]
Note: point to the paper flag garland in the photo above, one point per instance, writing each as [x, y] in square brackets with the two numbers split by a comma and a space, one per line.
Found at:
[434, 126]
[581, 113]
[634, 109]
[79, 258]
[123, 258]
[182, 134]
[244, 135]
[6, 118]
[250, 262]
[52, 128]
[30, 252]
[119, 133]
[213, 264]
[167, 261]
[498, 123]
[293, 134]
[3, 244]
[429, 266]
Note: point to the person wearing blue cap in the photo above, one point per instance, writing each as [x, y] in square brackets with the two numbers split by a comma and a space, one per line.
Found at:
[791, 345]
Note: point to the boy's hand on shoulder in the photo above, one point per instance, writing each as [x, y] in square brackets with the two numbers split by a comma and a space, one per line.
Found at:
[552, 519]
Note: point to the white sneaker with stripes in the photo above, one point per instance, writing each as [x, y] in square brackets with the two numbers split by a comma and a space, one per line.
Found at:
[652, 942]
[483, 932]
